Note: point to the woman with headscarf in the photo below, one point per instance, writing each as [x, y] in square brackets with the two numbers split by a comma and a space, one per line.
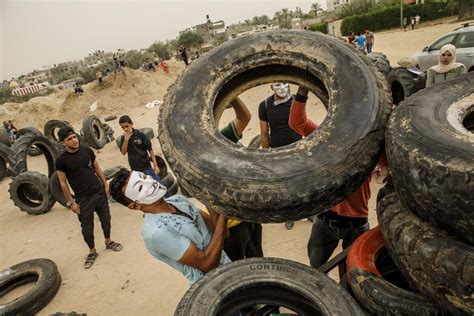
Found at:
[447, 67]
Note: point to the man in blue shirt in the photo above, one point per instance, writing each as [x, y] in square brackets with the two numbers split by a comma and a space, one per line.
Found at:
[174, 230]
[360, 41]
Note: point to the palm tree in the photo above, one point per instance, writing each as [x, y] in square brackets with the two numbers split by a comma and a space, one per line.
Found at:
[278, 17]
[285, 14]
[315, 9]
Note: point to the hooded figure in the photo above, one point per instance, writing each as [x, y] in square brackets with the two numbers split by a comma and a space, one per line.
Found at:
[447, 67]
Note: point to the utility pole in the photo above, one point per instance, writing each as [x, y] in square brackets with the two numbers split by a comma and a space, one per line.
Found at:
[401, 14]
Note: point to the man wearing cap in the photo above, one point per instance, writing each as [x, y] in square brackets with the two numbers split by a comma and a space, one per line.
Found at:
[274, 112]
[174, 230]
[78, 167]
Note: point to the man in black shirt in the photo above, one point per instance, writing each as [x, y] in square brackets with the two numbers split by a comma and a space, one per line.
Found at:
[274, 113]
[139, 149]
[78, 167]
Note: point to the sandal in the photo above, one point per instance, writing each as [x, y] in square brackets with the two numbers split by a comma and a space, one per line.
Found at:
[90, 259]
[115, 246]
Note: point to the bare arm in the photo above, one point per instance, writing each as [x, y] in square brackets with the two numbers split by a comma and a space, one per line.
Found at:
[67, 192]
[101, 176]
[153, 160]
[207, 259]
[264, 134]
[298, 120]
[126, 138]
[242, 115]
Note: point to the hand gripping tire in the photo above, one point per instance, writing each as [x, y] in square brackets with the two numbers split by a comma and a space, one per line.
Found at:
[30, 192]
[20, 151]
[42, 271]
[376, 282]
[439, 266]
[33, 151]
[94, 132]
[270, 281]
[295, 181]
[431, 155]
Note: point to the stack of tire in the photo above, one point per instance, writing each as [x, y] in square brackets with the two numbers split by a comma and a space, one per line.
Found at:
[427, 217]
[276, 185]
[29, 190]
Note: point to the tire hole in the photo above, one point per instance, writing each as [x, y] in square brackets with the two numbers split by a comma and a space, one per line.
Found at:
[468, 121]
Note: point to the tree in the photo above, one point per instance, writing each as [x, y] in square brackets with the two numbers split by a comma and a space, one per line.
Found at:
[285, 15]
[278, 17]
[220, 39]
[161, 49]
[315, 9]
[466, 9]
[190, 39]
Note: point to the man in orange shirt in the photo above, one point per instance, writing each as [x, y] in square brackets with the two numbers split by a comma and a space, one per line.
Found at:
[348, 219]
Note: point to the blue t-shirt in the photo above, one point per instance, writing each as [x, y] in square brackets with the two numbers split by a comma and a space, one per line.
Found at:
[167, 236]
[360, 40]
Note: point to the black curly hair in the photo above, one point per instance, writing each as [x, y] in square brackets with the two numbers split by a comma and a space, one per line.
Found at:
[116, 186]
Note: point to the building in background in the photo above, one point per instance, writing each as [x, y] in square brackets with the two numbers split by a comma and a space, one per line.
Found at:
[67, 70]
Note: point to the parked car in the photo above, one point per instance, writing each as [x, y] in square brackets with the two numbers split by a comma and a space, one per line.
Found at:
[462, 38]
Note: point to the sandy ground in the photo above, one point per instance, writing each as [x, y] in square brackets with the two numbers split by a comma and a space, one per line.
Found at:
[132, 282]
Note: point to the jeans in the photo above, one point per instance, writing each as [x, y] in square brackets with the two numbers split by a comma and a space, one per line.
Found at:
[150, 172]
[369, 48]
[324, 240]
[245, 241]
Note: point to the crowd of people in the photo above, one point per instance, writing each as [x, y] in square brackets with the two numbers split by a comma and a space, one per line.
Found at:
[364, 42]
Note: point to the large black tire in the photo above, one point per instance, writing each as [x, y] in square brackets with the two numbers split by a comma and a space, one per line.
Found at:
[110, 118]
[146, 130]
[5, 154]
[42, 271]
[52, 127]
[439, 266]
[404, 83]
[20, 151]
[295, 181]
[55, 188]
[33, 151]
[431, 155]
[381, 61]
[30, 192]
[270, 281]
[94, 132]
[109, 132]
[378, 284]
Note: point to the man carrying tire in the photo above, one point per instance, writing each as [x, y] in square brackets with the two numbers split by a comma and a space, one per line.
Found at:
[174, 230]
[274, 112]
[348, 219]
[139, 149]
[245, 238]
[78, 167]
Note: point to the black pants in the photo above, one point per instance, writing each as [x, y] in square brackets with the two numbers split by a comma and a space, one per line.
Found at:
[89, 204]
[245, 241]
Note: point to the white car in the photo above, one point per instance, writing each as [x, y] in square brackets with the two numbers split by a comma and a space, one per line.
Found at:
[462, 38]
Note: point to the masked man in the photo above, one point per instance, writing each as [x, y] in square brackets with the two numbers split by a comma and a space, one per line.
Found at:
[174, 230]
[274, 113]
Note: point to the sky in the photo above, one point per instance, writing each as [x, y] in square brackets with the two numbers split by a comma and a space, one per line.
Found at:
[37, 33]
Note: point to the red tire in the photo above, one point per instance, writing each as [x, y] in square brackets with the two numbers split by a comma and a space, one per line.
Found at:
[376, 282]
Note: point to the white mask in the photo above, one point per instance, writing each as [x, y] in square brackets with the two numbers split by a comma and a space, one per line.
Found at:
[143, 189]
[281, 89]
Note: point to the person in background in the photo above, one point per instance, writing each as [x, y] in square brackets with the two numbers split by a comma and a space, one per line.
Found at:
[370, 39]
[447, 67]
[78, 89]
[360, 41]
[98, 75]
[348, 219]
[184, 55]
[139, 149]
[78, 166]
[245, 238]
[351, 38]
[273, 113]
